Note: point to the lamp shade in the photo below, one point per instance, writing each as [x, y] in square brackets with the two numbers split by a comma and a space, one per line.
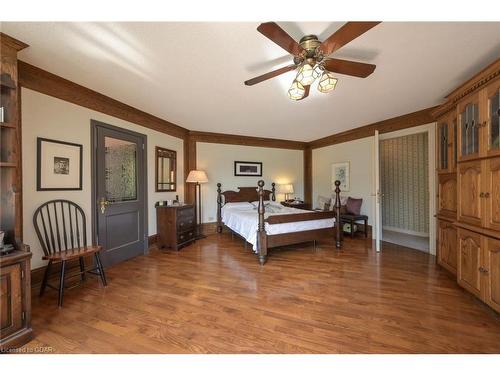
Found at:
[285, 189]
[197, 177]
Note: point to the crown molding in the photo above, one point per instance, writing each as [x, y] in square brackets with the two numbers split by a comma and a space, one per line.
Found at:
[243, 140]
[408, 120]
[13, 43]
[40, 80]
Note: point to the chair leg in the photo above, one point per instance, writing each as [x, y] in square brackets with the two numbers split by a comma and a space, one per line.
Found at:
[61, 283]
[45, 278]
[352, 229]
[101, 269]
[366, 228]
[82, 268]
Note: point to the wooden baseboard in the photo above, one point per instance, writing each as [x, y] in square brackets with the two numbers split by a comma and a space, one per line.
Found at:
[209, 228]
[153, 239]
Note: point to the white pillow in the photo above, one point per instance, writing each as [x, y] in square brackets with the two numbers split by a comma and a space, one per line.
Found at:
[239, 204]
[322, 201]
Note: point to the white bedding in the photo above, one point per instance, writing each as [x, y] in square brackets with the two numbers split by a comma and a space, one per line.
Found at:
[243, 219]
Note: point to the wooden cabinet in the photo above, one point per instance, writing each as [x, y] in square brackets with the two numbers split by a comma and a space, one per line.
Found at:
[491, 108]
[176, 226]
[447, 246]
[491, 273]
[447, 195]
[491, 193]
[470, 129]
[447, 143]
[15, 300]
[470, 190]
[469, 260]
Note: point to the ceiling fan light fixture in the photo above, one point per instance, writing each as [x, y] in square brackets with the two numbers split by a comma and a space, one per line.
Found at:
[296, 91]
[306, 75]
[327, 82]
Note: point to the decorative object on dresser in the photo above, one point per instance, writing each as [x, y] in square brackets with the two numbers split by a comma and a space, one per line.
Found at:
[341, 172]
[297, 204]
[59, 165]
[176, 225]
[468, 169]
[15, 299]
[248, 168]
[61, 228]
[285, 189]
[198, 178]
[166, 169]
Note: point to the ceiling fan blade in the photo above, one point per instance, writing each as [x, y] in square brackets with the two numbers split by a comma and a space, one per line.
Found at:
[350, 68]
[269, 75]
[348, 32]
[279, 36]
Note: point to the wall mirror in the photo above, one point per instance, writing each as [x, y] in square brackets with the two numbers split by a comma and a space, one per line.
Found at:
[166, 168]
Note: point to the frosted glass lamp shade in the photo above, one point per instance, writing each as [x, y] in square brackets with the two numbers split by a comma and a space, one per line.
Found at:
[197, 177]
[327, 82]
[306, 75]
[296, 91]
[285, 189]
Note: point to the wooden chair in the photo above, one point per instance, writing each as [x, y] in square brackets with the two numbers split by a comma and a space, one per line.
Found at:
[61, 228]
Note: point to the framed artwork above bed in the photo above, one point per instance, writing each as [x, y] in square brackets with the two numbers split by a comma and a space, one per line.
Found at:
[248, 168]
[341, 172]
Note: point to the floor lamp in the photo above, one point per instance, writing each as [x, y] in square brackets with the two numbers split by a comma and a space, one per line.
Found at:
[198, 178]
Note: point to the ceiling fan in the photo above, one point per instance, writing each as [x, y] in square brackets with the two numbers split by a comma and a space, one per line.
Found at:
[311, 58]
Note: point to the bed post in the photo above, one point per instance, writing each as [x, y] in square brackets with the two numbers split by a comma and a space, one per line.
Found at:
[261, 230]
[273, 190]
[219, 206]
[338, 224]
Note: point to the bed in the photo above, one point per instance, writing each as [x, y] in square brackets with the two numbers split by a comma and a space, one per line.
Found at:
[254, 214]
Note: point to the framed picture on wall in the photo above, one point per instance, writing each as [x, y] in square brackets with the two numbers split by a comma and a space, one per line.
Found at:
[59, 165]
[340, 171]
[248, 168]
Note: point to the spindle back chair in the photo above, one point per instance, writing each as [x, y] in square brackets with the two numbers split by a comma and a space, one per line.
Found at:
[61, 228]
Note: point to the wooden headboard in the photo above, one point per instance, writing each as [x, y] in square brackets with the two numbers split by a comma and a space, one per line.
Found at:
[244, 194]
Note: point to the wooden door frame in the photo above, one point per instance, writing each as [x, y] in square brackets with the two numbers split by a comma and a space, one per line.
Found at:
[430, 129]
[94, 124]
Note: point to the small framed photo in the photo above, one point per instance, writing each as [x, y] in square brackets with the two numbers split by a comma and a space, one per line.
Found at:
[248, 168]
[340, 171]
[59, 165]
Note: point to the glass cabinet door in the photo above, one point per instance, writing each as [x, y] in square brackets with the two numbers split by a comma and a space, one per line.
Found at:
[469, 129]
[455, 142]
[494, 123]
[443, 146]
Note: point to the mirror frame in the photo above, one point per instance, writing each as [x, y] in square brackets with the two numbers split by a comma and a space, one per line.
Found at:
[158, 151]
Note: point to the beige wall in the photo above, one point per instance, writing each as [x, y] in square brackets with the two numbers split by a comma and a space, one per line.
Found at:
[279, 165]
[359, 154]
[48, 117]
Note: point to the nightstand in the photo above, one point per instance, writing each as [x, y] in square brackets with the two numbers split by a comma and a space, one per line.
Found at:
[302, 206]
[176, 226]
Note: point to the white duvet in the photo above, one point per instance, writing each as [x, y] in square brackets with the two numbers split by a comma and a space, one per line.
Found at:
[243, 218]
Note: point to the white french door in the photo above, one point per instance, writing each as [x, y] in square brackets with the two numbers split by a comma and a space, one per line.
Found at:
[377, 194]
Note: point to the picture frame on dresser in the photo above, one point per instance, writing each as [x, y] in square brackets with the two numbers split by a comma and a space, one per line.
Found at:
[59, 165]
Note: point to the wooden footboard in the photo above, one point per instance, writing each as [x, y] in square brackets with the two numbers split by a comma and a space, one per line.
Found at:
[265, 241]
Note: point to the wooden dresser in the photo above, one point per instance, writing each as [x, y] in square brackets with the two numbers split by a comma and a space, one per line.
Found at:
[15, 300]
[176, 226]
[468, 171]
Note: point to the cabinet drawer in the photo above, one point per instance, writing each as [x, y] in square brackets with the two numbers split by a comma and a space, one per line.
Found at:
[185, 236]
[187, 212]
[185, 223]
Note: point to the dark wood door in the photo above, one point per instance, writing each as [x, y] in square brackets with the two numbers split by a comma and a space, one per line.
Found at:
[10, 300]
[119, 192]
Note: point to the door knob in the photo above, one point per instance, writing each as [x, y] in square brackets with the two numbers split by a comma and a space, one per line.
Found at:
[103, 203]
[487, 195]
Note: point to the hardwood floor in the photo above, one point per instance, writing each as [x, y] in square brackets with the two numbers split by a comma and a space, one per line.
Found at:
[213, 297]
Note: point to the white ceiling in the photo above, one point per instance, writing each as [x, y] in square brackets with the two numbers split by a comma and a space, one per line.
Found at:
[192, 74]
